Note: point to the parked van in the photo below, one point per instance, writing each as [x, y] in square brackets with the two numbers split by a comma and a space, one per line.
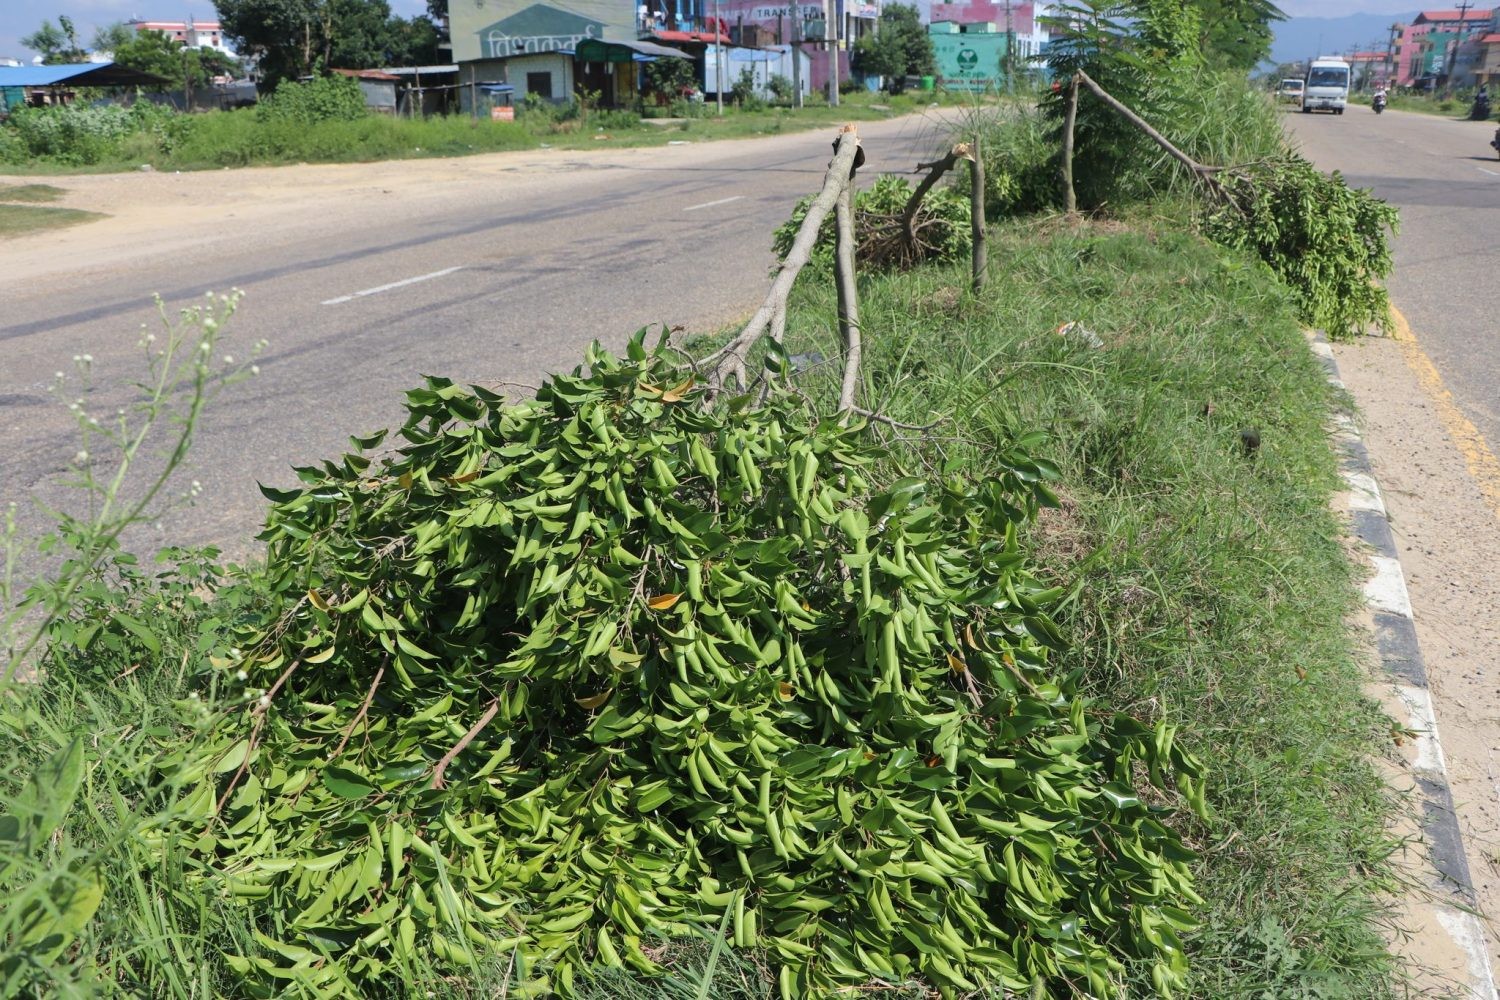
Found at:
[1327, 86]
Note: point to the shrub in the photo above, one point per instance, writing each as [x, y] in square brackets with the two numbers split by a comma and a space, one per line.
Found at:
[780, 88]
[942, 225]
[691, 669]
[321, 99]
[78, 134]
[1327, 242]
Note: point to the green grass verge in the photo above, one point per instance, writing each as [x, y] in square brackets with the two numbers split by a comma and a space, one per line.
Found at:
[1204, 584]
[239, 139]
[32, 193]
[18, 220]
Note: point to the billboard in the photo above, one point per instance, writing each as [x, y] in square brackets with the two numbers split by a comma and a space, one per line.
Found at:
[498, 29]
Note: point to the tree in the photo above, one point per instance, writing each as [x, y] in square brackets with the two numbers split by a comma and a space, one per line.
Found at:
[1236, 34]
[112, 37]
[899, 48]
[57, 44]
[296, 38]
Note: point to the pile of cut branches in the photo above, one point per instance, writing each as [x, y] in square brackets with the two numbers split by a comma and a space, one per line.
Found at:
[560, 679]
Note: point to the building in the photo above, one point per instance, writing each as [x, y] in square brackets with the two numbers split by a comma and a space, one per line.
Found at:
[551, 50]
[1368, 69]
[1430, 41]
[193, 34]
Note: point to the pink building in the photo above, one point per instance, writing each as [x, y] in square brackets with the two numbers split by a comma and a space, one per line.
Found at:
[1417, 57]
[193, 34]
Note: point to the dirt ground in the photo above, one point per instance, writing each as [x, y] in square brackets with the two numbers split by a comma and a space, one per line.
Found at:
[1443, 500]
[163, 214]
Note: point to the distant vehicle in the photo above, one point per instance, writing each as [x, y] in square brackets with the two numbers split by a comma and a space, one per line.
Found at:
[1327, 86]
[1290, 91]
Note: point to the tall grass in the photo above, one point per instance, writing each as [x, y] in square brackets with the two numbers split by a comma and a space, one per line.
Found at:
[1206, 584]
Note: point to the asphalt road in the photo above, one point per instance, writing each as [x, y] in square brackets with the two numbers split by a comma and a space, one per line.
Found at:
[1445, 179]
[499, 282]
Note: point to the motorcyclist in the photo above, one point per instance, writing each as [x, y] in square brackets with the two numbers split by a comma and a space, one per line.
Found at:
[1378, 101]
[1481, 110]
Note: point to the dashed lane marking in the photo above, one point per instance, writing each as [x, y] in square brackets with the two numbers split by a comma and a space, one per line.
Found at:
[395, 284]
[711, 204]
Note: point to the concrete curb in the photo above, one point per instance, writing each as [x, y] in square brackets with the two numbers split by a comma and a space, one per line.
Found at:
[1400, 655]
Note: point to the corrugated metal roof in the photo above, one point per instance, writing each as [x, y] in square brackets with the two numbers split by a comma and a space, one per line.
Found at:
[367, 74]
[78, 74]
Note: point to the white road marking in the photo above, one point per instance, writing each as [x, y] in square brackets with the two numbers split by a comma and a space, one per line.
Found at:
[711, 204]
[1467, 931]
[1386, 590]
[1364, 493]
[1482, 170]
[395, 284]
[1421, 723]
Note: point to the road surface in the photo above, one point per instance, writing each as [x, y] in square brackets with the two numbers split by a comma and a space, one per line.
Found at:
[494, 268]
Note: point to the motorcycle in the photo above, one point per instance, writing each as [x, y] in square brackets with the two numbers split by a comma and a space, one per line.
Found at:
[1378, 103]
[1495, 142]
[1481, 109]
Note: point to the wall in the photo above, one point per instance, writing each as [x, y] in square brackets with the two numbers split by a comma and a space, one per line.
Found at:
[780, 64]
[560, 68]
[496, 29]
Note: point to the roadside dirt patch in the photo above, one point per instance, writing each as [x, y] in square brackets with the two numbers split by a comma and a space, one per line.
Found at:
[1437, 511]
[159, 214]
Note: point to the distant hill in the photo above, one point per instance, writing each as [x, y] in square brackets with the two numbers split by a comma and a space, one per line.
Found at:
[1304, 37]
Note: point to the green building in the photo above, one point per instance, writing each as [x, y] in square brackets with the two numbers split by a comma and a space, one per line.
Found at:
[970, 57]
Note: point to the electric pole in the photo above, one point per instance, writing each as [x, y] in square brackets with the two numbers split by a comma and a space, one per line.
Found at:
[831, 31]
[1463, 17]
[718, 62]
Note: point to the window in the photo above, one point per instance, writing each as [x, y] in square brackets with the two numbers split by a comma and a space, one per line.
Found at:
[539, 84]
[1326, 76]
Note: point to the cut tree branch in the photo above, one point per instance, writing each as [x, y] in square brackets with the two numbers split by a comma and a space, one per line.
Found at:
[935, 171]
[1070, 117]
[458, 748]
[848, 298]
[728, 363]
[1204, 174]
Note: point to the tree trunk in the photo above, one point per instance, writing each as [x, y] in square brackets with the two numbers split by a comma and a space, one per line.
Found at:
[848, 297]
[979, 255]
[1070, 197]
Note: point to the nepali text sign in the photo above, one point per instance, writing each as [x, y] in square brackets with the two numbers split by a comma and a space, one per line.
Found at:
[500, 29]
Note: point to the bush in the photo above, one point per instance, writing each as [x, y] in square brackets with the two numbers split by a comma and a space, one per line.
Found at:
[942, 225]
[691, 669]
[780, 88]
[321, 99]
[1327, 242]
[76, 134]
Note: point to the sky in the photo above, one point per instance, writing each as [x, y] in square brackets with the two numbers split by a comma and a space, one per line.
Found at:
[22, 17]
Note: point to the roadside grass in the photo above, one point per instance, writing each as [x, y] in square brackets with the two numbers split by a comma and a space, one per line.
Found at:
[239, 139]
[31, 193]
[19, 220]
[1204, 584]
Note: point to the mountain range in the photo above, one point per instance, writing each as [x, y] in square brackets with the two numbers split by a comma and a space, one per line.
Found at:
[1304, 37]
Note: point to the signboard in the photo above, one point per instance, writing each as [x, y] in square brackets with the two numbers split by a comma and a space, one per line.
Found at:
[499, 29]
[505, 114]
[971, 60]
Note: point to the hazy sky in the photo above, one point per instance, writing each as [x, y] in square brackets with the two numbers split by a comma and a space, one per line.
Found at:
[22, 17]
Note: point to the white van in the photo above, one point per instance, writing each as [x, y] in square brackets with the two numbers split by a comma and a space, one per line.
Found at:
[1327, 86]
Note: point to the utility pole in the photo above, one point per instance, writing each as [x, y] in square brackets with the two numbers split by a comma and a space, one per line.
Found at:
[718, 62]
[832, 33]
[1390, 62]
[1463, 12]
[796, 50]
